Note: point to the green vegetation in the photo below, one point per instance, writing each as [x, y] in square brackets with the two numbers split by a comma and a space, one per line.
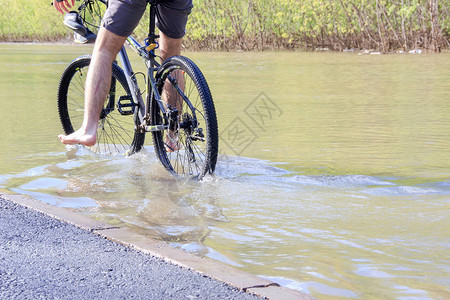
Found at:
[273, 24]
[30, 20]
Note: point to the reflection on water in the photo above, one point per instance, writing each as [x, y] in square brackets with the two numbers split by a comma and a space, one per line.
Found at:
[344, 194]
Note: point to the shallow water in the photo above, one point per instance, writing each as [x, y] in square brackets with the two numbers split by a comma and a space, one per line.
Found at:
[333, 177]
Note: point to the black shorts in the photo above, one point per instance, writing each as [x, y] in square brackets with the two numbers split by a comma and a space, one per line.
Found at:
[122, 16]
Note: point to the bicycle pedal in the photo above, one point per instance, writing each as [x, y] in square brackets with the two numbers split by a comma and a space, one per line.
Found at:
[125, 105]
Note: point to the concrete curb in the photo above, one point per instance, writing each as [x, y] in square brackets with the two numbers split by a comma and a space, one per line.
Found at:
[205, 266]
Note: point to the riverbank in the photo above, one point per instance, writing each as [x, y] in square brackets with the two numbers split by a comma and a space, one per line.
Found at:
[271, 25]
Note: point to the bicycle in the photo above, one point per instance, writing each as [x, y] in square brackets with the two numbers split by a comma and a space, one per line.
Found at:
[191, 127]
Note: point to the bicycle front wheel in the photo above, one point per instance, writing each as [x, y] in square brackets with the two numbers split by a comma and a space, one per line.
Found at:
[116, 133]
[189, 144]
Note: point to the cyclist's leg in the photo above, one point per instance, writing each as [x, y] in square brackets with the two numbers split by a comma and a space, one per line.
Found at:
[98, 83]
[119, 21]
[170, 47]
[172, 17]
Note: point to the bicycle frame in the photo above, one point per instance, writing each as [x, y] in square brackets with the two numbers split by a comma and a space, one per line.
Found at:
[147, 53]
[131, 79]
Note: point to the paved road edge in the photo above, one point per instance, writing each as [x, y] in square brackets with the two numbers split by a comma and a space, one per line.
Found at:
[208, 267]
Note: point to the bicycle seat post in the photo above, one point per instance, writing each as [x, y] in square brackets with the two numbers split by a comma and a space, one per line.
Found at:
[151, 33]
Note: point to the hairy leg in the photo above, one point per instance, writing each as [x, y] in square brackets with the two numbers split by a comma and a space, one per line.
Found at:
[170, 47]
[97, 87]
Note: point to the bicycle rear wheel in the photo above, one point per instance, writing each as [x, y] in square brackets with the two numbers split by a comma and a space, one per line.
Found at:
[189, 146]
[116, 132]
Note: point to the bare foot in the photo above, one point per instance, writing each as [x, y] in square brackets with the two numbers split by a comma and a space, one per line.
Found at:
[171, 142]
[79, 137]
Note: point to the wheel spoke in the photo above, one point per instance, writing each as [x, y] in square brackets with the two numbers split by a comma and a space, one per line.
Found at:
[116, 132]
[196, 154]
